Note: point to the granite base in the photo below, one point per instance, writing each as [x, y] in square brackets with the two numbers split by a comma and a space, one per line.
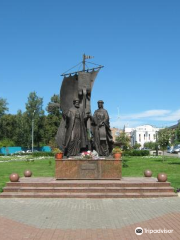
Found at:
[88, 169]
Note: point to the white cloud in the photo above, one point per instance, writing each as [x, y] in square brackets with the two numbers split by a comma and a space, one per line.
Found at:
[155, 117]
[150, 113]
[120, 124]
[173, 116]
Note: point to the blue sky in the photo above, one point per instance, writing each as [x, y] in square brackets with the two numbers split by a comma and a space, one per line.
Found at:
[138, 42]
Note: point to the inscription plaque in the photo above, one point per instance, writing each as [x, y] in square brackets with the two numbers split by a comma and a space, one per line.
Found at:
[87, 166]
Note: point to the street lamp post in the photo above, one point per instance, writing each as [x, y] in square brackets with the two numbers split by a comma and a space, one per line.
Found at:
[33, 131]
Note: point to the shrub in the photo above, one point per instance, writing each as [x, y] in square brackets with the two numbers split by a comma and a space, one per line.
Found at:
[7, 143]
[136, 153]
[20, 154]
[42, 154]
[150, 145]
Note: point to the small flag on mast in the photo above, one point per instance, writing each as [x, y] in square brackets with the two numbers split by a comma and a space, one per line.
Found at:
[88, 56]
[84, 60]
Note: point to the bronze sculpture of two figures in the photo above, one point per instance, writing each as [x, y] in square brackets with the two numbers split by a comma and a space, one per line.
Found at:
[79, 130]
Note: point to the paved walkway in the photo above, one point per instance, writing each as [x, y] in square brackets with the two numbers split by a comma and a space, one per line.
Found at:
[89, 219]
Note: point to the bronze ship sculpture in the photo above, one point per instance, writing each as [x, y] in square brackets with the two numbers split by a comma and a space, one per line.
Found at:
[75, 133]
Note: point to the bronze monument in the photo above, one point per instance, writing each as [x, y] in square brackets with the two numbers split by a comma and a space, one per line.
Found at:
[78, 130]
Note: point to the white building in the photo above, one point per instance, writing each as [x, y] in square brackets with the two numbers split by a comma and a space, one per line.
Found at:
[143, 134]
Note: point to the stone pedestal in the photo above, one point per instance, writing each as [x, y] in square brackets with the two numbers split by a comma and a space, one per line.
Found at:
[88, 169]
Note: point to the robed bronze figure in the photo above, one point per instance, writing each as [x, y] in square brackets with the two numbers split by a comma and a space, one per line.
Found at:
[102, 138]
[76, 132]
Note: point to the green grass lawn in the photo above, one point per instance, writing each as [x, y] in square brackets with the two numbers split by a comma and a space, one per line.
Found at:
[135, 167]
[132, 167]
[39, 168]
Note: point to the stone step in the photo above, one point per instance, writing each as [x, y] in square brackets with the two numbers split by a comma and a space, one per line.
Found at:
[48, 187]
[87, 189]
[86, 184]
[86, 195]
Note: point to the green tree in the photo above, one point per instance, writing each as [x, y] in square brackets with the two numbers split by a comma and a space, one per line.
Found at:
[52, 120]
[54, 105]
[7, 143]
[137, 145]
[34, 115]
[21, 130]
[164, 137]
[17, 129]
[12, 129]
[3, 106]
[34, 106]
[7, 126]
[123, 140]
[177, 135]
[150, 145]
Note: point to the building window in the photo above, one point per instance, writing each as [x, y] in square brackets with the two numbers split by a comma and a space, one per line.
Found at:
[154, 135]
[149, 137]
[139, 137]
[144, 137]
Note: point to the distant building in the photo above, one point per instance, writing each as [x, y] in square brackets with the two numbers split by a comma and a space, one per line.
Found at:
[115, 133]
[142, 134]
[128, 131]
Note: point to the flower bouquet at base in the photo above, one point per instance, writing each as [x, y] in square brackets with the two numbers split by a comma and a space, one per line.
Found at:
[89, 155]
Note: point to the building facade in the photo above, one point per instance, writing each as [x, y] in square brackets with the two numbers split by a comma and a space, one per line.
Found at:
[142, 134]
[115, 133]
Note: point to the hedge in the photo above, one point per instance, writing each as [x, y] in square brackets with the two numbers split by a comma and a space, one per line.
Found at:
[42, 154]
[136, 153]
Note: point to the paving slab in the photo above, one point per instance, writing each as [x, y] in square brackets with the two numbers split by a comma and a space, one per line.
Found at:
[107, 219]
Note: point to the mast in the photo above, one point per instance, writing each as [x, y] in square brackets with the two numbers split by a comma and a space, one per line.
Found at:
[84, 66]
[84, 60]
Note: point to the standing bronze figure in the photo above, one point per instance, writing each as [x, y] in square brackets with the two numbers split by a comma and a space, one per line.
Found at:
[102, 137]
[76, 133]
